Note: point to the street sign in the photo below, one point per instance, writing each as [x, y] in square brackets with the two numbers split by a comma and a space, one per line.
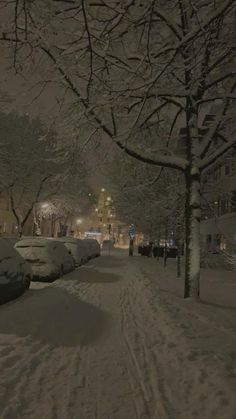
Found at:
[131, 231]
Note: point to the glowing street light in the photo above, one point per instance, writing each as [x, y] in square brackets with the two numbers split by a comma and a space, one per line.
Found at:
[45, 205]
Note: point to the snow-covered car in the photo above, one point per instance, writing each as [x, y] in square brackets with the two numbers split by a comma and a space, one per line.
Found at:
[77, 248]
[15, 272]
[49, 259]
[87, 249]
[94, 247]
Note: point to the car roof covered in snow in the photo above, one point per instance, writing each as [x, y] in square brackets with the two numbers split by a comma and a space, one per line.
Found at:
[67, 239]
[35, 242]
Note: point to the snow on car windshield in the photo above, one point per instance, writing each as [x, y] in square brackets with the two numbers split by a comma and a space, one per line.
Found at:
[70, 242]
[36, 253]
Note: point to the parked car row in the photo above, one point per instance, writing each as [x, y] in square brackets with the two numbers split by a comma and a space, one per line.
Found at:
[40, 259]
[149, 249]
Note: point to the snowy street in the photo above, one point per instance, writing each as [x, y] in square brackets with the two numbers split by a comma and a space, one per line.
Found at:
[115, 340]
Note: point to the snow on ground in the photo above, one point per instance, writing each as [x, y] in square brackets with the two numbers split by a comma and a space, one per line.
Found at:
[115, 340]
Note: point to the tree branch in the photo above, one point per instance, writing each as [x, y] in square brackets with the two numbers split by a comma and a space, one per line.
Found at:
[218, 153]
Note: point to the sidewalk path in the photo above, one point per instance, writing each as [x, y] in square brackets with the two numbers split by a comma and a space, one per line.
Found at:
[116, 340]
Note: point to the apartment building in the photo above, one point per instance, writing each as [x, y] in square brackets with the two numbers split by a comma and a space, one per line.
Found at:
[218, 225]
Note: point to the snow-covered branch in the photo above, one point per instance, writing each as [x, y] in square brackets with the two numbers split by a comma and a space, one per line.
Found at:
[207, 161]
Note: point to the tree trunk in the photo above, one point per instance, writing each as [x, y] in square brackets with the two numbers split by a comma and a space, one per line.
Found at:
[178, 258]
[19, 229]
[165, 255]
[192, 232]
[52, 226]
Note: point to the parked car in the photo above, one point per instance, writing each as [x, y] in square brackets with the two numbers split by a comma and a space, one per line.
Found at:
[15, 272]
[144, 249]
[49, 258]
[159, 251]
[87, 248]
[94, 247]
[77, 248]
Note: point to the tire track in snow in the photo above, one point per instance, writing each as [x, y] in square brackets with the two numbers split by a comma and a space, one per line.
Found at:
[21, 373]
[164, 386]
[155, 399]
[133, 380]
[51, 374]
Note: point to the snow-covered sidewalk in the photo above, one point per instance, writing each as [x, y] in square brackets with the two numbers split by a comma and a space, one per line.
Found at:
[116, 340]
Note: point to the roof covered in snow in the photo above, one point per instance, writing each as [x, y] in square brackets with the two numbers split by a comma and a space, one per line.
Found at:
[35, 242]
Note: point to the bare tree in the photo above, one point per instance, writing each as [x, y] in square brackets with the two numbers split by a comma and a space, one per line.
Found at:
[138, 71]
[72, 200]
[23, 212]
[151, 198]
[32, 164]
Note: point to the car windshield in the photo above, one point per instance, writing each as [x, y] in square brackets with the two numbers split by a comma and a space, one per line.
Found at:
[34, 253]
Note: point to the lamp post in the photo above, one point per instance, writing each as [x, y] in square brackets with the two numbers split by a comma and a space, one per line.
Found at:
[78, 224]
[38, 214]
[131, 233]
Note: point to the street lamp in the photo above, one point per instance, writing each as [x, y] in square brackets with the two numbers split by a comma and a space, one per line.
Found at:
[45, 205]
[78, 223]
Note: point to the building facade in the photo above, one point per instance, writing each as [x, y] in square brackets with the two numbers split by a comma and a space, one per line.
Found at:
[218, 189]
[218, 225]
